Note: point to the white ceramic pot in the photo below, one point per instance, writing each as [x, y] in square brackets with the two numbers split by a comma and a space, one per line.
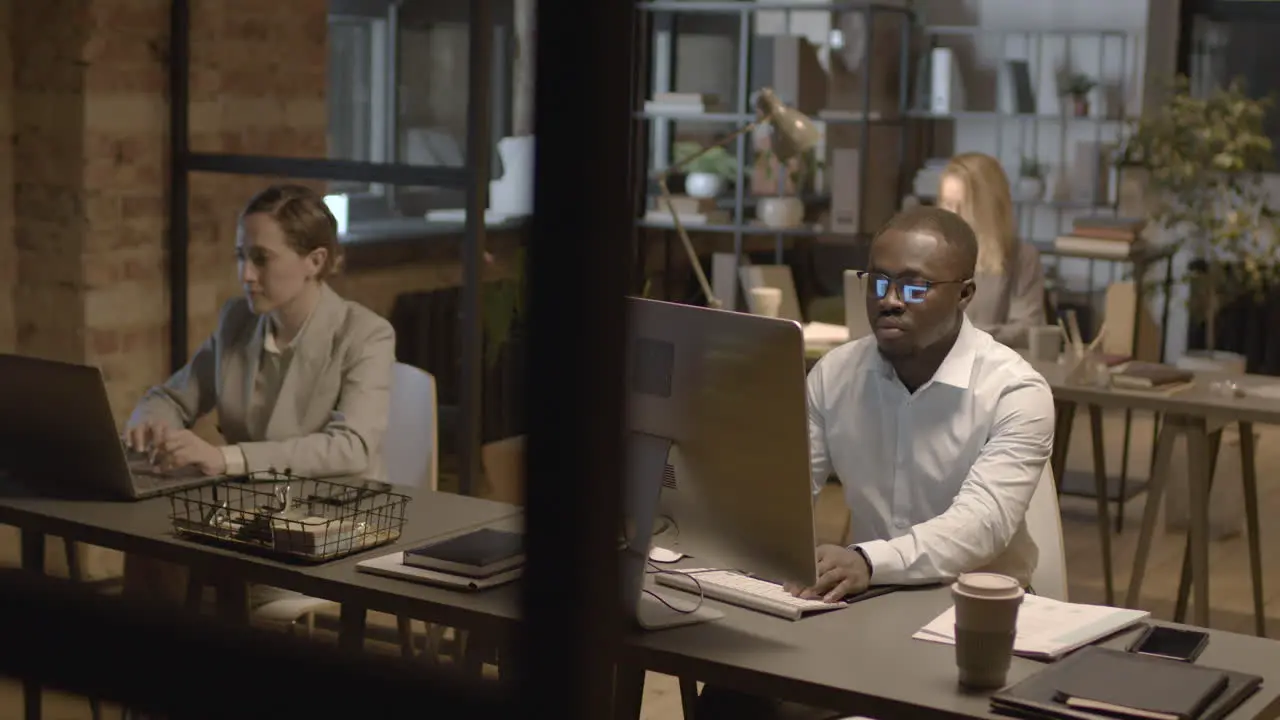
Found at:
[780, 212]
[1030, 188]
[703, 185]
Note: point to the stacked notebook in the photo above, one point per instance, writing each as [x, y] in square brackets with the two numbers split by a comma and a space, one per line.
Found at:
[1139, 375]
[475, 560]
[1100, 683]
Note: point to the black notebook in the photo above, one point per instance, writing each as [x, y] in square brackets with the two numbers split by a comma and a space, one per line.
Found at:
[477, 554]
[1100, 683]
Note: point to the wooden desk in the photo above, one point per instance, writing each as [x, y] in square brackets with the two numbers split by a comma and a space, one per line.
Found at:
[1198, 414]
[861, 658]
[144, 528]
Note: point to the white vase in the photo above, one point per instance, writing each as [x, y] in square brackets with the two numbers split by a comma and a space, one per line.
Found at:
[1030, 188]
[780, 212]
[703, 184]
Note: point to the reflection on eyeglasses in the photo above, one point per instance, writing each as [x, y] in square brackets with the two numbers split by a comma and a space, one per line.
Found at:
[910, 290]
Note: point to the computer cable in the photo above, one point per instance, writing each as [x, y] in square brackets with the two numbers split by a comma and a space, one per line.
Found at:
[655, 570]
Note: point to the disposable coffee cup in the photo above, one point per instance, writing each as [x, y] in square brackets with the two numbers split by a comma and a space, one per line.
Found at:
[986, 623]
[766, 301]
[1044, 343]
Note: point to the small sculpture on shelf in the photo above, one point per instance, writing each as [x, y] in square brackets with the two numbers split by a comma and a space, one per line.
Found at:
[1030, 185]
[780, 205]
[708, 173]
[1078, 86]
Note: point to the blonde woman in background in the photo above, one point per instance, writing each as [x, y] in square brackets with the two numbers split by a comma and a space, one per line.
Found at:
[1010, 279]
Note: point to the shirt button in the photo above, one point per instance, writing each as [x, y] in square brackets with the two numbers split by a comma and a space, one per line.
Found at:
[901, 524]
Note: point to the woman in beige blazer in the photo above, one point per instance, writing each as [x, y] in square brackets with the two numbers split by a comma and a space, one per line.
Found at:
[1009, 297]
[300, 377]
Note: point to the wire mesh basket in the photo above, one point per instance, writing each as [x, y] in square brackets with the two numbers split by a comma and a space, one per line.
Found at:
[291, 517]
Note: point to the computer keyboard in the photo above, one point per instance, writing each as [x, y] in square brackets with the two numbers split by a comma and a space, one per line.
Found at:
[744, 591]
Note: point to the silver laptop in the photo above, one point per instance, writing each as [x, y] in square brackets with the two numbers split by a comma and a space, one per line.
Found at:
[58, 436]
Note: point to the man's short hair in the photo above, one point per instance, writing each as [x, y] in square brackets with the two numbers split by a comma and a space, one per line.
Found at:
[948, 226]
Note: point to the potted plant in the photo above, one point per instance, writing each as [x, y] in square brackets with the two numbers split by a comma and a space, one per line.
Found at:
[1203, 157]
[783, 208]
[707, 175]
[1077, 87]
[502, 305]
[1030, 185]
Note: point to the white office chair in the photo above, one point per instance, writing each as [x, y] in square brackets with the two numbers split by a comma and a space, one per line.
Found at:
[1044, 524]
[409, 453]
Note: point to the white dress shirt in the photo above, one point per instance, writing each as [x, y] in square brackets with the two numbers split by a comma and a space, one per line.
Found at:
[937, 481]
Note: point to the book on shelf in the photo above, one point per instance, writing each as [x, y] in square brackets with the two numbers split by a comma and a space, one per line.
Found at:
[1107, 222]
[671, 103]
[687, 205]
[661, 216]
[1119, 229]
[1098, 247]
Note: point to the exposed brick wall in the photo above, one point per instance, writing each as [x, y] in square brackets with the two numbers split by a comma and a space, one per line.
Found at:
[258, 79]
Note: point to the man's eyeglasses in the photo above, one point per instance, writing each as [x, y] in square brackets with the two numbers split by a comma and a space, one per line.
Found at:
[911, 290]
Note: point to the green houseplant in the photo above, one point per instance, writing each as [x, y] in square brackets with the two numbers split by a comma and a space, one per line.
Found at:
[1203, 156]
[502, 305]
[1078, 86]
[707, 175]
[1030, 185]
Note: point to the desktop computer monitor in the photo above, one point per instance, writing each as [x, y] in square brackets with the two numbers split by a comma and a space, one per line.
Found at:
[718, 449]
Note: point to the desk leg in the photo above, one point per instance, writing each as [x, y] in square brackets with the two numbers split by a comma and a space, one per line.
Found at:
[628, 691]
[1198, 469]
[1103, 499]
[1169, 431]
[1249, 473]
[1184, 582]
[32, 562]
[1065, 413]
[351, 621]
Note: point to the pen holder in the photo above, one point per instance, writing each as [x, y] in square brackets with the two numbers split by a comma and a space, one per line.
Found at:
[1091, 370]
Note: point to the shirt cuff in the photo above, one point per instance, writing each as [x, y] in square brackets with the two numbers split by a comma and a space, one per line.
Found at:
[886, 562]
[233, 456]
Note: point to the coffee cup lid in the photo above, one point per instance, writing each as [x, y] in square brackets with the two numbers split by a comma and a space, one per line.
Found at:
[988, 585]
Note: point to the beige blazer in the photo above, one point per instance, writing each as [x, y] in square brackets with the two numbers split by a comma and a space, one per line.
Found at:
[334, 400]
[1009, 305]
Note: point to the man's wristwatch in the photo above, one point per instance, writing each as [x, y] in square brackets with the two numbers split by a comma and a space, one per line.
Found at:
[865, 559]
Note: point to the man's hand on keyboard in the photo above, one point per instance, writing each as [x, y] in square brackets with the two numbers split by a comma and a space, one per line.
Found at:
[841, 572]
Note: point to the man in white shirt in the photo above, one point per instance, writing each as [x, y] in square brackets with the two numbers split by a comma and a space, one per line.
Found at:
[938, 433]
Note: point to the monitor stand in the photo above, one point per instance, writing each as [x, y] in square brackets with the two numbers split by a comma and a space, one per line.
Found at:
[653, 609]
[655, 614]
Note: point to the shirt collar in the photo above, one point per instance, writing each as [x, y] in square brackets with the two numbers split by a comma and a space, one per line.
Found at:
[271, 345]
[956, 369]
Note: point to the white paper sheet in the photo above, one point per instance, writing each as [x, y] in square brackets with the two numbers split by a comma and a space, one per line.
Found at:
[1047, 628]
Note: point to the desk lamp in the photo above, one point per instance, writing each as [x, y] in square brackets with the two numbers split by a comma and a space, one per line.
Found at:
[793, 135]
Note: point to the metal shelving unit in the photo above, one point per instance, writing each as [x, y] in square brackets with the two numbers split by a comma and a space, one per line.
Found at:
[662, 17]
[1026, 129]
